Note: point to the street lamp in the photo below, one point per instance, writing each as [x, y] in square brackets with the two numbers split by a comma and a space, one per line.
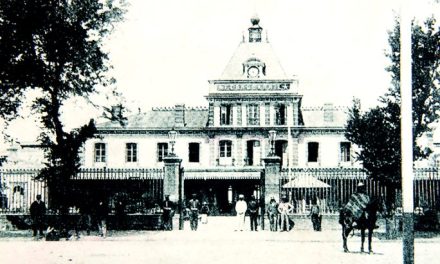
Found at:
[172, 137]
[272, 137]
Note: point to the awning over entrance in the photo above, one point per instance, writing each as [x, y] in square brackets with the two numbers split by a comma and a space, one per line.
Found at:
[222, 174]
[304, 181]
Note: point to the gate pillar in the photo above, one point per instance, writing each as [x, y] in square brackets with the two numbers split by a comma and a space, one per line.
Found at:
[173, 183]
[270, 181]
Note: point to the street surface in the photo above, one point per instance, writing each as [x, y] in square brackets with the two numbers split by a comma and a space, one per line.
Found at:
[216, 242]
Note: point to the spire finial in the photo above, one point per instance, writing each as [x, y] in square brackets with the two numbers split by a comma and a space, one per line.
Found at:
[255, 20]
[255, 30]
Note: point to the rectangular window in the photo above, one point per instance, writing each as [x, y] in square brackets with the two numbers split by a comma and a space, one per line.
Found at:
[100, 152]
[253, 115]
[267, 114]
[312, 148]
[162, 151]
[131, 152]
[239, 114]
[226, 115]
[194, 152]
[345, 151]
[280, 114]
[225, 148]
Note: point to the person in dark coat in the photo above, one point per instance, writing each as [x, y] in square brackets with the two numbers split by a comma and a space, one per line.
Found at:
[272, 213]
[316, 217]
[194, 206]
[38, 212]
[167, 213]
[253, 213]
[120, 214]
[101, 217]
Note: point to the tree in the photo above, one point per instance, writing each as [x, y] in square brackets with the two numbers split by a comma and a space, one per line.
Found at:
[377, 131]
[54, 49]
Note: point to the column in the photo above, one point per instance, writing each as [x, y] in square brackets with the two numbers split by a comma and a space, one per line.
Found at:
[173, 184]
[270, 181]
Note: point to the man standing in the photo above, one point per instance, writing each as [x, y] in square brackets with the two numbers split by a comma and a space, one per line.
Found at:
[194, 205]
[240, 208]
[284, 208]
[167, 213]
[272, 212]
[38, 211]
[253, 213]
[315, 216]
[101, 215]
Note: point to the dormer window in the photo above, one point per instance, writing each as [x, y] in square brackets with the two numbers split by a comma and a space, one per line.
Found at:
[254, 68]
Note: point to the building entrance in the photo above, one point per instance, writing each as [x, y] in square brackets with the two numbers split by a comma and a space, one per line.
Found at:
[221, 195]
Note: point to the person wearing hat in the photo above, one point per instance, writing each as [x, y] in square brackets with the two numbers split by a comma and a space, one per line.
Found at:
[272, 214]
[167, 213]
[253, 213]
[357, 203]
[194, 205]
[240, 209]
[38, 211]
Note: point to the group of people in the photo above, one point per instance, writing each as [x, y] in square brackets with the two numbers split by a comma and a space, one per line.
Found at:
[277, 213]
[38, 217]
[194, 210]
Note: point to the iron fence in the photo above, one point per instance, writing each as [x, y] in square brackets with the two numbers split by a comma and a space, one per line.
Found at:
[139, 188]
[18, 189]
[343, 183]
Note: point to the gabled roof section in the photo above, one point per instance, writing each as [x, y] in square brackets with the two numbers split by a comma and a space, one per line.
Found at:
[253, 50]
[162, 118]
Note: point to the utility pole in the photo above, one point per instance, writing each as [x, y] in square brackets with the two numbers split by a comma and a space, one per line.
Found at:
[407, 132]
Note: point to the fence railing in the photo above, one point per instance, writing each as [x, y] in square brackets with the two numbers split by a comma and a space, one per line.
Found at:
[141, 187]
[19, 187]
[343, 183]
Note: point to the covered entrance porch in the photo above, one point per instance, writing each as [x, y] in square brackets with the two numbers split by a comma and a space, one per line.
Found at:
[220, 188]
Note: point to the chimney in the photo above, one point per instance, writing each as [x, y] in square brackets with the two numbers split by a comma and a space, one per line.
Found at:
[179, 115]
[328, 112]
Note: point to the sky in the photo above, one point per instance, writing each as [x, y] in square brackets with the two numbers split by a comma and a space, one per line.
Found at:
[164, 52]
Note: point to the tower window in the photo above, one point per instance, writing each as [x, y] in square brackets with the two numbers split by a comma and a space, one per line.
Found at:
[280, 114]
[253, 115]
[226, 115]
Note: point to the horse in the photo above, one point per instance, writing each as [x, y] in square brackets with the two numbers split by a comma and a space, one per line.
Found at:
[367, 221]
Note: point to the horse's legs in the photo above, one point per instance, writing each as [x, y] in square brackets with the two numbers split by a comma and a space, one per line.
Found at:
[345, 233]
[370, 235]
[362, 239]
